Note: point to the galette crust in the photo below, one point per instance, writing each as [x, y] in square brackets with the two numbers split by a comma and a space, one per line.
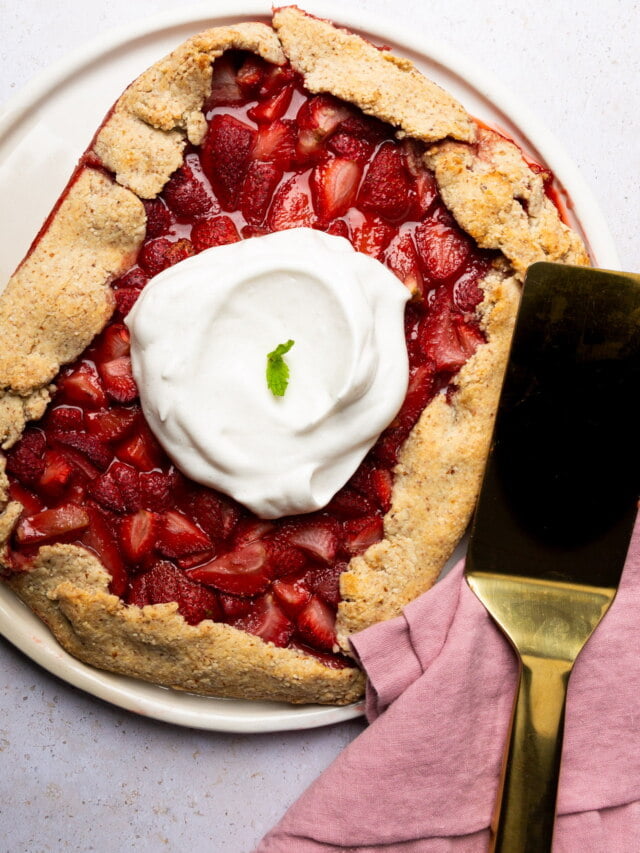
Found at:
[383, 85]
[436, 480]
[68, 589]
[501, 202]
[143, 139]
[59, 298]
[489, 189]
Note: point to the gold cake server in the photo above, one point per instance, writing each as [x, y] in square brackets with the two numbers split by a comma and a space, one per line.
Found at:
[556, 511]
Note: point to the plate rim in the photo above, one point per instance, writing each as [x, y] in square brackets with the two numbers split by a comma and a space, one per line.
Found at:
[29, 635]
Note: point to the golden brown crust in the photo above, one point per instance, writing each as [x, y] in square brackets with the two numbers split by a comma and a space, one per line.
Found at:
[436, 480]
[59, 298]
[9, 512]
[439, 471]
[502, 203]
[143, 139]
[381, 84]
[68, 589]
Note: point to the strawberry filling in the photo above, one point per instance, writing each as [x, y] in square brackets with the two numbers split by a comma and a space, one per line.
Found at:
[91, 473]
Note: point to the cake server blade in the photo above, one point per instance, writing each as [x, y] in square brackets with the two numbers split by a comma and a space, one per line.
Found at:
[556, 511]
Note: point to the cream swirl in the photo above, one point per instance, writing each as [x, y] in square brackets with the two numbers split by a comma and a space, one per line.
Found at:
[200, 335]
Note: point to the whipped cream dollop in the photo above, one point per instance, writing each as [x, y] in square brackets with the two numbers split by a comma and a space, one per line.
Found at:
[200, 335]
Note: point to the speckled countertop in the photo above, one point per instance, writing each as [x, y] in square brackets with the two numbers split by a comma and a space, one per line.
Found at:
[77, 774]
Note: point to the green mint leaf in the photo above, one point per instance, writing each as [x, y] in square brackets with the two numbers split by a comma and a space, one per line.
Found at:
[278, 369]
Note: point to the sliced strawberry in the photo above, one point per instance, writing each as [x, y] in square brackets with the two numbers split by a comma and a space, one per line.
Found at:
[467, 294]
[249, 231]
[99, 536]
[193, 560]
[86, 469]
[402, 258]
[57, 472]
[153, 256]
[442, 248]
[382, 481]
[138, 535]
[469, 335]
[284, 559]
[127, 480]
[243, 571]
[214, 232]
[126, 298]
[317, 118]
[118, 379]
[225, 86]
[50, 524]
[272, 108]
[250, 529]
[359, 534]
[316, 624]
[365, 127]
[445, 337]
[325, 582]
[372, 236]
[419, 392]
[179, 536]
[134, 278]
[276, 143]
[89, 445]
[111, 424]
[225, 156]
[83, 386]
[257, 189]
[267, 621]
[276, 77]
[234, 606]
[106, 492]
[159, 218]
[350, 147]
[25, 461]
[118, 489]
[426, 191]
[292, 594]
[162, 253]
[425, 182]
[318, 537]
[348, 503]
[164, 583]
[251, 74]
[216, 514]
[113, 343]
[334, 184]
[140, 449]
[361, 479]
[339, 228]
[186, 195]
[156, 490]
[179, 251]
[386, 189]
[291, 207]
[31, 503]
[65, 418]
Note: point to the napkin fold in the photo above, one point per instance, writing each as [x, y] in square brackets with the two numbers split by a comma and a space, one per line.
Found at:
[423, 777]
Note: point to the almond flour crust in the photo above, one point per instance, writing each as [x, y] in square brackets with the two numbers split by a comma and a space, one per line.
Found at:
[94, 236]
[143, 140]
[59, 298]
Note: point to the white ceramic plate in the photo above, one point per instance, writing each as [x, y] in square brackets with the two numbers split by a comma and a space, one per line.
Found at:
[44, 130]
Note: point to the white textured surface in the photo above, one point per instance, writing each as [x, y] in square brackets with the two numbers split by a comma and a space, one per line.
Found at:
[77, 774]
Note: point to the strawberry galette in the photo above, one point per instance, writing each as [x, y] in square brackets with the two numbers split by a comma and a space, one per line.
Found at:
[246, 130]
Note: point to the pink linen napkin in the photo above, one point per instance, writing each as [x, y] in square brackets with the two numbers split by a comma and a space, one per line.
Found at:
[422, 777]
